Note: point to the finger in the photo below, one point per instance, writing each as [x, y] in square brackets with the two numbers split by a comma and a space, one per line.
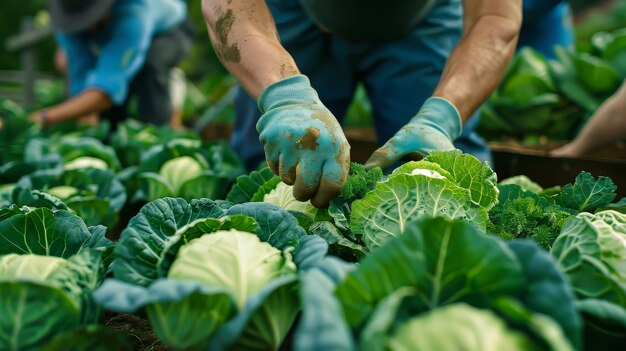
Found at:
[383, 158]
[287, 168]
[307, 182]
[273, 166]
[334, 176]
[272, 156]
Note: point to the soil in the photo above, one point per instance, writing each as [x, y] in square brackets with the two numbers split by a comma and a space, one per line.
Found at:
[137, 329]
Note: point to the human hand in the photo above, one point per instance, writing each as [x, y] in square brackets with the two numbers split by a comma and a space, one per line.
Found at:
[39, 117]
[303, 142]
[434, 127]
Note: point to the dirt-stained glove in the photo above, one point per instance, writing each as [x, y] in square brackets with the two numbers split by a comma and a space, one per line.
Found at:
[303, 142]
[434, 127]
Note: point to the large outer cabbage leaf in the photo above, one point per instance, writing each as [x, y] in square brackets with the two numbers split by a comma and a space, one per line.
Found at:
[29, 267]
[321, 325]
[175, 309]
[248, 185]
[31, 198]
[94, 194]
[43, 232]
[587, 193]
[208, 184]
[264, 321]
[83, 273]
[385, 212]
[276, 226]
[593, 255]
[545, 284]
[43, 295]
[90, 338]
[149, 244]
[33, 312]
[458, 327]
[237, 261]
[605, 324]
[469, 173]
[445, 260]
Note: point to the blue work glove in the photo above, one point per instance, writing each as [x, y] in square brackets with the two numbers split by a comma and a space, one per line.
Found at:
[303, 142]
[434, 127]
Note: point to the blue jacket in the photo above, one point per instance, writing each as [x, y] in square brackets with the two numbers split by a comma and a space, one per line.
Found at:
[109, 58]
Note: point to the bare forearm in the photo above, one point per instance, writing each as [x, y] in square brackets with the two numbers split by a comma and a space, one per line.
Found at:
[245, 39]
[89, 102]
[478, 62]
[607, 126]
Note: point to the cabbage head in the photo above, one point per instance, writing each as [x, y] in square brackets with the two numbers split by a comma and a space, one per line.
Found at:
[179, 170]
[236, 260]
[282, 196]
[85, 162]
[458, 327]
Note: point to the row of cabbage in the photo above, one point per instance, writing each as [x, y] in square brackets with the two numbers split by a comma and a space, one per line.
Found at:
[434, 256]
[97, 173]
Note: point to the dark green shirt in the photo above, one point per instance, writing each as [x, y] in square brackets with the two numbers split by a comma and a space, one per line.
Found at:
[368, 20]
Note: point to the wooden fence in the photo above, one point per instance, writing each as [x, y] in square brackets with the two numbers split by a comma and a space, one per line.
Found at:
[20, 85]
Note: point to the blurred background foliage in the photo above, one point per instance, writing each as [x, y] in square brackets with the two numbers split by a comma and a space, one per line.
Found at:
[209, 81]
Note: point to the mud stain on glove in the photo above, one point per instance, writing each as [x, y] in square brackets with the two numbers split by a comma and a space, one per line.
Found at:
[309, 139]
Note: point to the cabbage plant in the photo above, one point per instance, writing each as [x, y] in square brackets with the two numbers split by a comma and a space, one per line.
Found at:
[94, 194]
[235, 269]
[490, 294]
[50, 262]
[592, 251]
[188, 169]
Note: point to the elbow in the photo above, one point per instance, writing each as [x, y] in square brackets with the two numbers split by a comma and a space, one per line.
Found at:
[507, 31]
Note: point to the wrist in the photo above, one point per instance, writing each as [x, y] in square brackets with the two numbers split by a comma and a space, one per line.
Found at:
[44, 117]
[295, 89]
[441, 114]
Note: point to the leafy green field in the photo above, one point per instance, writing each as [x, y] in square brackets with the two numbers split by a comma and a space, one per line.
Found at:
[150, 239]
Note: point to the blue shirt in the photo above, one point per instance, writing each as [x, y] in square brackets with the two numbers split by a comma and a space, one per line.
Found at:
[537, 9]
[109, 58]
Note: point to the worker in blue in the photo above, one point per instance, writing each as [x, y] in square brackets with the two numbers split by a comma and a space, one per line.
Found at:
[547, 23]
[427, 66]
[118, 49]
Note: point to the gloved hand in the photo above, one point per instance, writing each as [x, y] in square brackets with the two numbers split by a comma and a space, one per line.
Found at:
[303, 142]
[434, 127]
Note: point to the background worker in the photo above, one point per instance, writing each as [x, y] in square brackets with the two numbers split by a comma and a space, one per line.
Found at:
[606, 126]
[117, 50]
[427, 66]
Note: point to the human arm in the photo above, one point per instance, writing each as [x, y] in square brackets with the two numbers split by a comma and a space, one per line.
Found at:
[245, 39]
[471, 73]
[303, 142]
[606, 126]
[476, 65]
[99, 83]
[89, 102]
